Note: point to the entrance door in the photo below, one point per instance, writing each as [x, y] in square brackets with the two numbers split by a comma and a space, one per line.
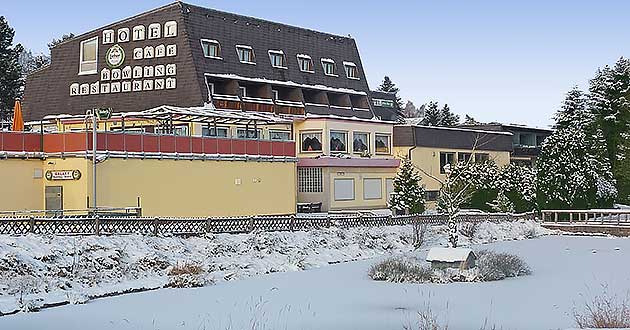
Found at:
[54, 199]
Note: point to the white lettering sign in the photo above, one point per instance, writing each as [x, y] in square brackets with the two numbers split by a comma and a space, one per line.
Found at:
[148, 72]
[123, 35]
[108, 37]
[170, 29]
[94, 89]
[138, 53]
[74, 89]
[171, 69]
[105, 74]
[148, 52]
[105, 88]
[160, 51]
[171, 83]
[137, 72]
[155, 30]
[159, 70]
[171, 50]
[126, 72]
[138, 33]
[147, 85]
[85, 89]
[159, 84]
[116, 74]
[115, 87]
[126, 86]
[137, 85]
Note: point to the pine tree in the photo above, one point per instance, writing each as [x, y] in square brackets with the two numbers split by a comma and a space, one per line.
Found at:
[470, 121]
[10, 70]
[573, 168]
[408, 195]
[432, 115]
[30, 62]
[388, 86]
[447, 118]
[410, 110]
[609, 101]
[63, 38]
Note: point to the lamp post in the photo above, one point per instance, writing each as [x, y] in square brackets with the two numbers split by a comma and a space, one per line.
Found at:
[96, 114]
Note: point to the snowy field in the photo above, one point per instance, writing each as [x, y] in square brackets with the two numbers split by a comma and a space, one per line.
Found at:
[342, 297]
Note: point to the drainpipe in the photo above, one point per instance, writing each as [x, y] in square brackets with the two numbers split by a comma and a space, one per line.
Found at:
[413, 134]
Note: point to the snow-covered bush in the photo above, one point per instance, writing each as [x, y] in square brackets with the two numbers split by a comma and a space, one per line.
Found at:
[399, 270]
[186, 275]
[469, 229]
[604, 311]
[494, 266]
[408, 194]
[419, 234]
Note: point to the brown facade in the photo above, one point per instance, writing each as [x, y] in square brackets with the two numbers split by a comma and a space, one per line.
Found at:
[454, 138]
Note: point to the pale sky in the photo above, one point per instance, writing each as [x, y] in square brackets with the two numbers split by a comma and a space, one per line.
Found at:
[506, 61]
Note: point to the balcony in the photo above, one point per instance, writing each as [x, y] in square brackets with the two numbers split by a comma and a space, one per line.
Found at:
[140, 144]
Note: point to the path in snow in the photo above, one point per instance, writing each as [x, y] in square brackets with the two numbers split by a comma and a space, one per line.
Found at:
[342, 297]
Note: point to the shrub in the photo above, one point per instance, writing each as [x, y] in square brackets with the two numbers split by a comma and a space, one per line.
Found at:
[398, 270]
[495, 266]
[185, 269]
[419, 233]
[469, 228]
[604, 311]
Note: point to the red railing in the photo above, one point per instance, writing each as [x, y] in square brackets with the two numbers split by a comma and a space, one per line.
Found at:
[141, 143]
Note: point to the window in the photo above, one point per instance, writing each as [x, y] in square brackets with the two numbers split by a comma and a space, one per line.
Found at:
[351, 70]
[211, 48]
[539, 140]
[329, 67]
[446, 158]
[482, 158]
[217, 132]
[338, 141]
[344, 189]
[277, 58]
[251, 133]
[242, 90]
[383, 144]
[310, 180]
[389, 187]
[245, 54]
[311, 142]
[431, 195]
[372, 189]
[275, 94]
[178, 130]
[463, 157]
[88, 56]
[360, 142]
[280, 135]
[305, 63]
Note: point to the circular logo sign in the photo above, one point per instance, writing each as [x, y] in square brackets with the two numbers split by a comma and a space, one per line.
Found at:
[76, 174]
[115, 56]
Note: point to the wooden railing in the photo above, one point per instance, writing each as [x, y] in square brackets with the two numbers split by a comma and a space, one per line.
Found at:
[103, 225]
[617, 217]
[142, 143]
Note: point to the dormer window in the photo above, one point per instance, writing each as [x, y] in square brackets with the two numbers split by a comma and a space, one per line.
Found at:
[245, 54]
[88, 56]
[277, 58]
[211, 48]
[305, 63]
[330, 69]
[351, 70]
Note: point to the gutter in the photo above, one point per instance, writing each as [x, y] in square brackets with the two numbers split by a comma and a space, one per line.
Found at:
[413, 133]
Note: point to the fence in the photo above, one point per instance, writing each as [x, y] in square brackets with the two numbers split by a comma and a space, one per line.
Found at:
[96, 225]
[142, 143]
[616, 217]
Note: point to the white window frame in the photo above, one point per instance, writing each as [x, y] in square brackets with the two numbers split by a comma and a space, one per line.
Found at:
[389, 139]
[367, 134]
[210, 41]
[81, 62]
[345, 142]
[250, 49]
[223, 128]
[243, 129]
[380, 190]
[309, 59]
[335, 189]
[242, 90]
[321, 138]
[328, 60]
[273, 52]
[279, 131]
[356, 70]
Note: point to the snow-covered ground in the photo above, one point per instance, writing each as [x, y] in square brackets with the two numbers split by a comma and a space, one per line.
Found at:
[342, 297]
[39, 271]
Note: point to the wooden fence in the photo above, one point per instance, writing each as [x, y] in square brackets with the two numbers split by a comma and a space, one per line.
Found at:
[101, 225]
[615, 217]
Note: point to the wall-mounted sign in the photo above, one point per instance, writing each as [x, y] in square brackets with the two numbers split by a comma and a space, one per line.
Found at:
[115, 56]
[54, 175]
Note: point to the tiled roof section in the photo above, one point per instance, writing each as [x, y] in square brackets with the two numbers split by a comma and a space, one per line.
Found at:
[385, 113]
[451, 138]
[232, 29]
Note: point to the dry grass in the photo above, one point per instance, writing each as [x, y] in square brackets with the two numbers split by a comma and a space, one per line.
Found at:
[469, 228]
[185, 269]
[604, 311]
[419, 234]
[399, 270]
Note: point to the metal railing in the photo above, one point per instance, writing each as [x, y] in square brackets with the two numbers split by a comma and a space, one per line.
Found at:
[616, 217]
[107, 225]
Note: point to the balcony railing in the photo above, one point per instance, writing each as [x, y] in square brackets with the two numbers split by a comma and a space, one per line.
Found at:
[133, 142]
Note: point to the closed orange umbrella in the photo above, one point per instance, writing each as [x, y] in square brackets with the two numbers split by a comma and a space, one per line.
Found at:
[18, 120]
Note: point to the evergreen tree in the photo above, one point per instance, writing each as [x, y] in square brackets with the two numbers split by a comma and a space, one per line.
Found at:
[432, 115]
[10, 70]
[609, 101]
[388, 86]
[410, 110]
[470, 121]
[573, 167]
[63, 38]
[408, 195]
[30, 62]
[447, 118]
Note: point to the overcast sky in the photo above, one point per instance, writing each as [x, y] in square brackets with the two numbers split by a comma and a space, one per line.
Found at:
[504, 61]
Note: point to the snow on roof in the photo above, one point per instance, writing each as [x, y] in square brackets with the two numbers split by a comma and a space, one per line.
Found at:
[303, 56]
[284, 83]
[457, 129]
[448, 254]
[349, 63]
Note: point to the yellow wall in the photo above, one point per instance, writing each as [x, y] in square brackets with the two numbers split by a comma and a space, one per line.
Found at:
[428, 159]
[75, 192]
[325, 125]
[198, 188]
[21, 184]
[358, 174]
